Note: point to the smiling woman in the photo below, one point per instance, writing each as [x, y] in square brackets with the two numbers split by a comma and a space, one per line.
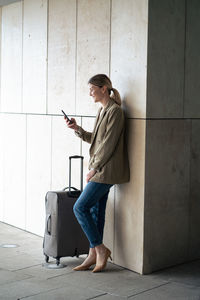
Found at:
[108, 165]
[100, 81]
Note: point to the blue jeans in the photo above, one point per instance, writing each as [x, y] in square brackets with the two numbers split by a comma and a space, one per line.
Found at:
[89, 210]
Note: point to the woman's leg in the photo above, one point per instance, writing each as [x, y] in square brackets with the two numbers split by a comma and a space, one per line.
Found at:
[98, 213]
[92, 194]
[92, 217]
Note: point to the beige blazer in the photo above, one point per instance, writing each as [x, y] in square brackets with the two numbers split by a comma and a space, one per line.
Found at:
[108, 153]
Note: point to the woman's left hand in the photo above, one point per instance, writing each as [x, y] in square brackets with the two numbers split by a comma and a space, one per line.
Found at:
[90, 175]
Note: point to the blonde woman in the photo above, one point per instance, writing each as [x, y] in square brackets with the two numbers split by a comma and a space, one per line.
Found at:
[108, 165]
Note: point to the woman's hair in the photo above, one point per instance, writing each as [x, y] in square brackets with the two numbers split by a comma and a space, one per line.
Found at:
[101, 80]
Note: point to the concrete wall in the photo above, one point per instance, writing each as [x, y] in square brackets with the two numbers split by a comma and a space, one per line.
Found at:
[49, 49]
[172, 225]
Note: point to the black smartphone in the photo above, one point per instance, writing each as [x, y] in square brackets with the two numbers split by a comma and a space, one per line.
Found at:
[66, 117]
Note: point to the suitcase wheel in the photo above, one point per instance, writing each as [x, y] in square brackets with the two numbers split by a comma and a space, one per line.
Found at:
[46, 258]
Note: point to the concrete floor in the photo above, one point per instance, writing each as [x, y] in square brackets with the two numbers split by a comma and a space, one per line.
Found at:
[22, 276]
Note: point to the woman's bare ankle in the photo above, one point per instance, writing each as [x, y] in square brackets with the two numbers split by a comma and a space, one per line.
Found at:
[100, 249]
[92, 252]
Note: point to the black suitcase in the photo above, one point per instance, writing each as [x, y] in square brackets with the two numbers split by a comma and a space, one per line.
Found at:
[63, 234]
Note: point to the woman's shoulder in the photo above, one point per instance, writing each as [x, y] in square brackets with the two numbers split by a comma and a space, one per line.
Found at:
[115, 108]
[115, 112]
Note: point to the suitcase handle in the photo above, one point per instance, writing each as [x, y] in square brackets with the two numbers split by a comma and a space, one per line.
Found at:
[76, 156]
[81, 177]
[48, 224]
[73, 188]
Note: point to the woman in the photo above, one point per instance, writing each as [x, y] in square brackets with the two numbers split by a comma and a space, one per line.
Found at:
[108, 165]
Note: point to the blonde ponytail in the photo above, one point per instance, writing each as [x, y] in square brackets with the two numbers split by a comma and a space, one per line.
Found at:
[116, 96]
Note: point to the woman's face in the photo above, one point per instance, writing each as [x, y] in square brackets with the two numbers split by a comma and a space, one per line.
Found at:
[96, 92]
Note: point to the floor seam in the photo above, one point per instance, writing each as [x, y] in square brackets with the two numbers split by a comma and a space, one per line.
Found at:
[25, 268]
[183, 283]
[154, 288]
[95, 297]
[65, 274]
[16, 280]
[24, 279]
[43, 292]
[108, 293]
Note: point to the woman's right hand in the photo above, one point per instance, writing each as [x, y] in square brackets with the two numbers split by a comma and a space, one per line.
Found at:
[72, 124]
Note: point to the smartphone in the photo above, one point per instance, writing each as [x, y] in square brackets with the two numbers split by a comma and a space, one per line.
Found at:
[68, 119]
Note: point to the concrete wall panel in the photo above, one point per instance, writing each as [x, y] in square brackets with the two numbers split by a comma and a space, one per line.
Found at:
[64, 144]
[129, 53]
[34, 56]
[194, 246]
[14, 169]
[192, 67]
[38, 170]
[0, 50]
[167, 188]
[11, 59]
[129, 203]
[61, 56]
[166, 47]
[93, 36]
[1, 169]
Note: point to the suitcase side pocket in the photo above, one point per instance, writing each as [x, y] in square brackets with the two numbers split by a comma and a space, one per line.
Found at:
[48, 224]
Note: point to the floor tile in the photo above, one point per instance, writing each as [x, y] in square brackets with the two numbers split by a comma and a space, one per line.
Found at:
[23, 276]
[8, 276]
[170, 291]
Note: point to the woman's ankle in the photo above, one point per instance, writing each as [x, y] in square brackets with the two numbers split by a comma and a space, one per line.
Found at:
[100, 248]
[92, 252]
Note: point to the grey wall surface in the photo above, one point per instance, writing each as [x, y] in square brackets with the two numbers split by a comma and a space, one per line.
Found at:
[166, 52]
[194, 205]
[167, 193]
[192, 60]
[172, 209]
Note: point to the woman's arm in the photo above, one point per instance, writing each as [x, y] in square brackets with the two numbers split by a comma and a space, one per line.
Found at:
[79, 131]
[84, 135]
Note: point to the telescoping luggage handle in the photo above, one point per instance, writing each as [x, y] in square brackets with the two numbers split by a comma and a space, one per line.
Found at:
[81, 176]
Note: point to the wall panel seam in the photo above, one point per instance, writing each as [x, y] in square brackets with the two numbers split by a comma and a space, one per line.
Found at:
[51, 154]
[145, 157]
[110, 34]
[147, 60]
[93, 116]
[0, 53]
[22, 83]
[76, 39]
[81, 142]
[26, 130]
[189, 196]
[47, 57]
[114, 223]
[184, 63]
[22, 71]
